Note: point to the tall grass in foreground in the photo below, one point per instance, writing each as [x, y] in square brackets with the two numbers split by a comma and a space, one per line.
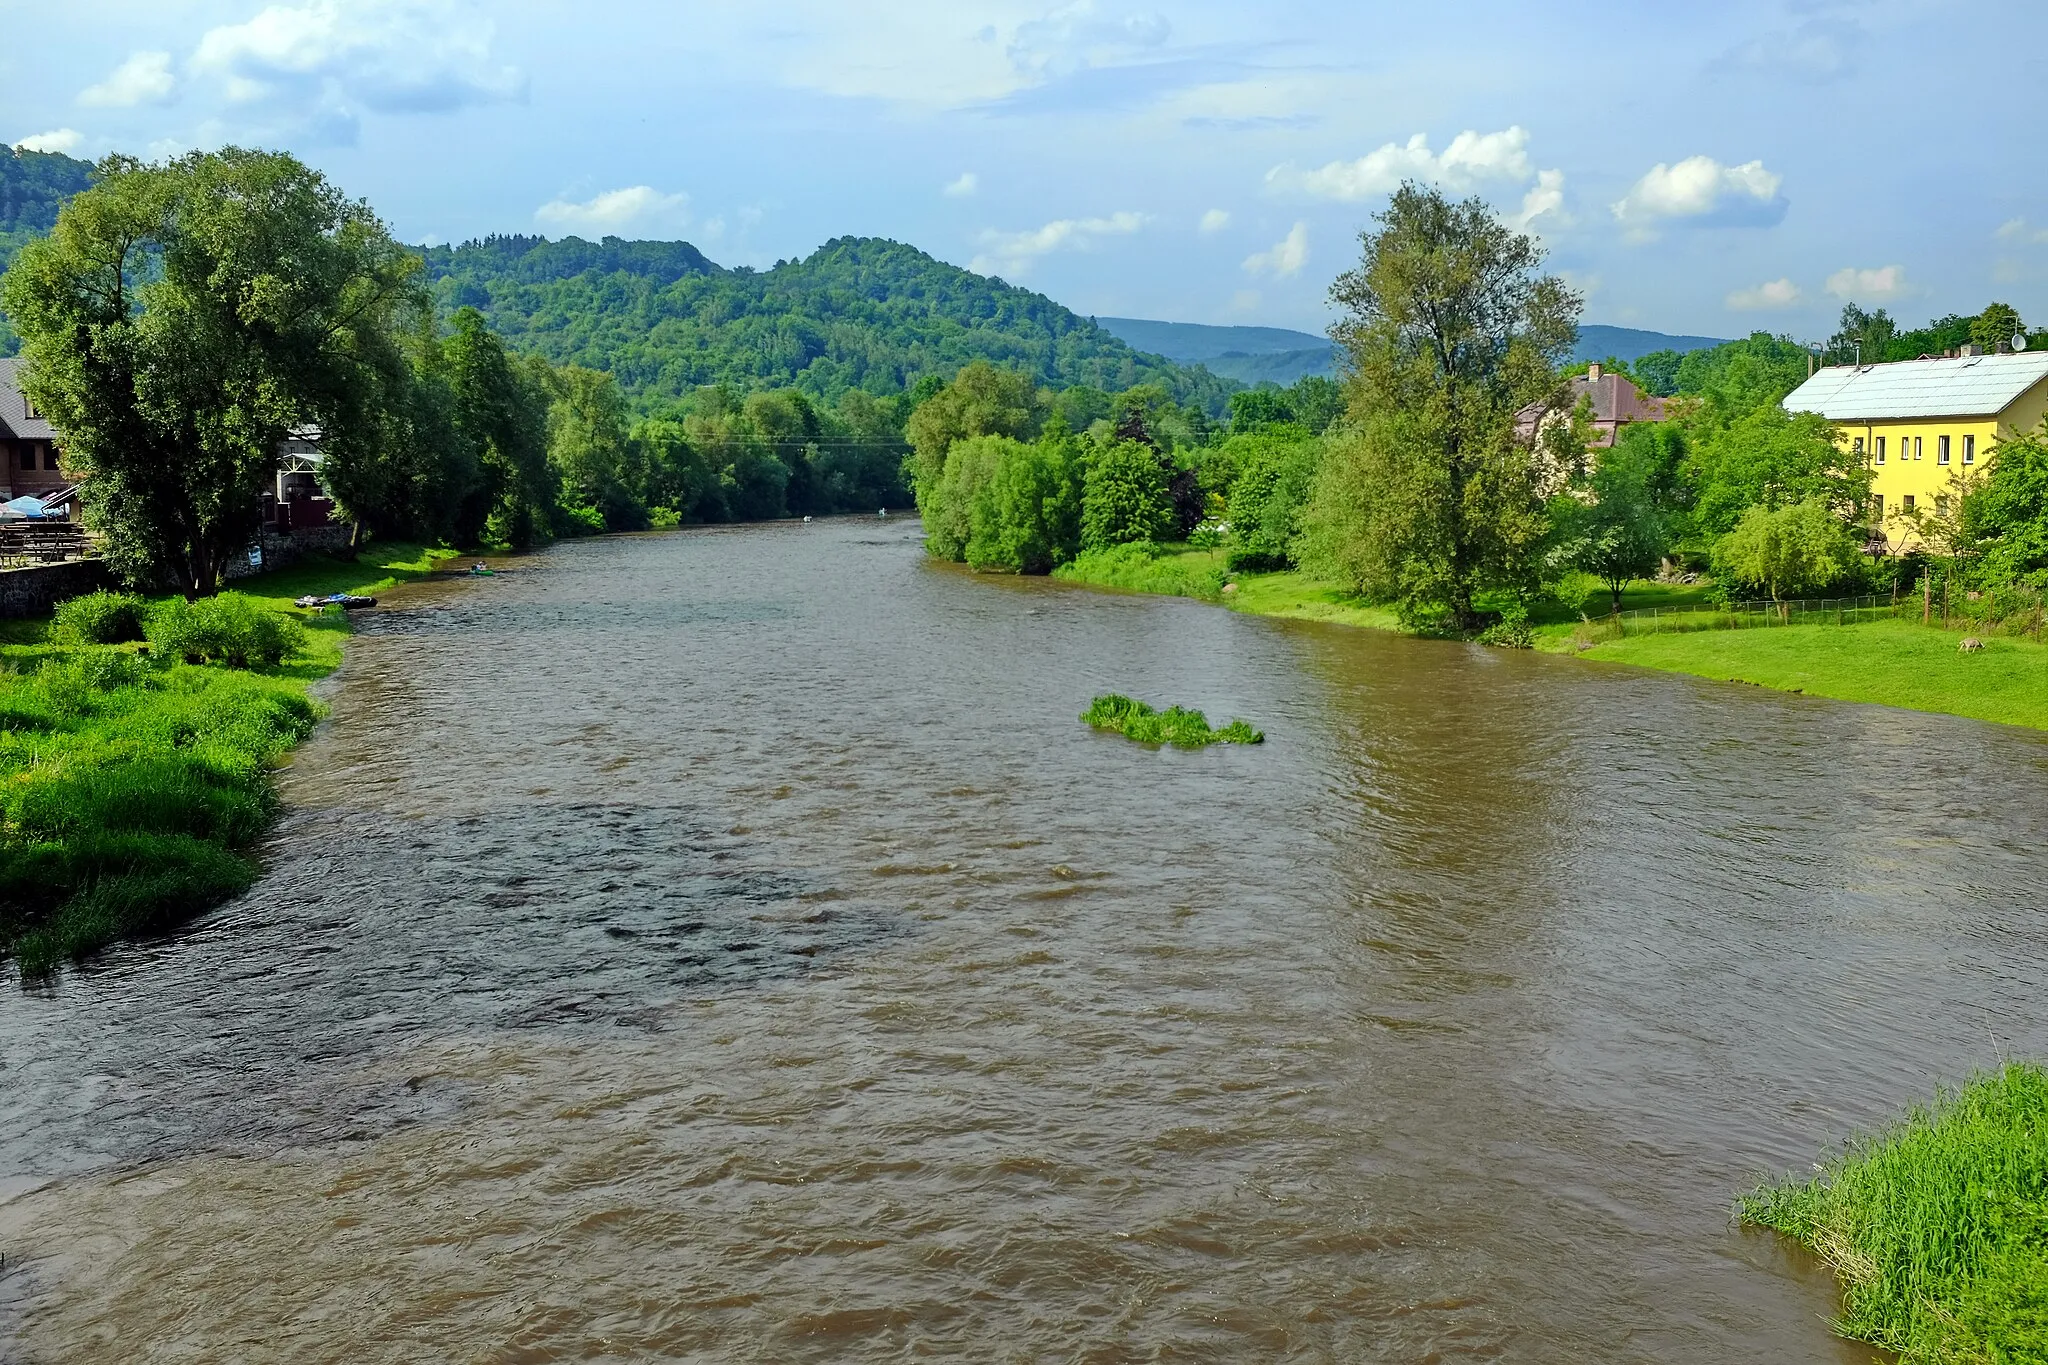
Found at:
[128, 792]
[1181, 728]
[1147, 568]
[1938, 1226]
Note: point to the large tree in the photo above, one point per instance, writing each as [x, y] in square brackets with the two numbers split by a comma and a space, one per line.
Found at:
[1450, 330]
[181, 319]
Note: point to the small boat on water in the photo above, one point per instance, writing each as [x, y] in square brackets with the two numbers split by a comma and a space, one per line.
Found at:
[346, 601]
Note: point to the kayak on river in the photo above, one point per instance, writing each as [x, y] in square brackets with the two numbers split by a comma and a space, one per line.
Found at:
[346, 601]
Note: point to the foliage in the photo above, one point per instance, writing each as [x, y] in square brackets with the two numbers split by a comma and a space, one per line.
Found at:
[1787, 551]
[1276, 472]
[859, 313]
[1770, 458]
[99, 618]
[1450, 333]
[1026, 518]
[590, 449]
[230, 629]
[130, 794]
[2007, 514]
[181, 320]
[35, 185]
[501, 411]
[1512, 631]
[1620, 535]
[1938, 1226]
[1125, 498]
[1147, 568]
[1183, 729]
[979, 401]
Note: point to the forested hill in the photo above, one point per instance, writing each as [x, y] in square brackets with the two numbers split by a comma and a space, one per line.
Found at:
[34, 185]
[860, 312]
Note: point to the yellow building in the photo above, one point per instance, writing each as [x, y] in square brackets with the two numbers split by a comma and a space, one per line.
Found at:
[1922, 426]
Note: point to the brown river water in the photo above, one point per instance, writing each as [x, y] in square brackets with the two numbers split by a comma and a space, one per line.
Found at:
[727, 945]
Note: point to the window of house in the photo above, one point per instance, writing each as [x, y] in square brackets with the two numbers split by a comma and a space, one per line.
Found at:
[49, 457]
[1877, 504]
[1969, 450]
[1916, 447]
[1909, 504]
[1941, 504]
[1879, 443]
[1859, 446]
[28, 410]
[1941, 450]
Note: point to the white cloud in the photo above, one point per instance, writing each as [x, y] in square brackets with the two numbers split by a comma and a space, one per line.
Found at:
[144, 78]
[321, 61]
[1545, 199]
[1215, 220]
[1879, 285]
[65, 140]
[1772, 294]
[617, 213]
[1284, 258]
[1012, 254]
[1471, 159]
[2017, 230]
[966, 185]
[1701, 190]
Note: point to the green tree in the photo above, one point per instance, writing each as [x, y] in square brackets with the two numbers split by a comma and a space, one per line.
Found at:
[1620, 535]
[1026, 517]
[1252, 409]
[180, 320]
[1872, 336]
[590, 446]
[1125, 499]
[502, 412]
[1317, 403]
[981, 401]
[2007, 513]
[1450, 331]
[1996, 326]
[1276, 471]
[1787, 551]
[1771, 458]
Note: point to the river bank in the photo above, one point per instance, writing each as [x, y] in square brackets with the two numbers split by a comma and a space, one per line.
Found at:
[1888, 663]
[135, 787]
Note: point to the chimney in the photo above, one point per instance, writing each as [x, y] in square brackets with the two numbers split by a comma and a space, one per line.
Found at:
[1969, 348]
[1593, 372]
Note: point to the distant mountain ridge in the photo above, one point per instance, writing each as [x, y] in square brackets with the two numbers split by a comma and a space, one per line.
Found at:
[1281, 355]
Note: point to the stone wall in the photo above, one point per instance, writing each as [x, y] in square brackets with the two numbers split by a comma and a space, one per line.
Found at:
[281, 549]
[33, 591]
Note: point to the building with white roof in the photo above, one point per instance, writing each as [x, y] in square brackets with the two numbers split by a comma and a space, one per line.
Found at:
[1926, 426]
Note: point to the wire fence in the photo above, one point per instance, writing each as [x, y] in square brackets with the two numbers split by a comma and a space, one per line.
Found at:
[2011, 611]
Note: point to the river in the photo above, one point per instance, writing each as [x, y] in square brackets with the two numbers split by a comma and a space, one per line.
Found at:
[727, 945]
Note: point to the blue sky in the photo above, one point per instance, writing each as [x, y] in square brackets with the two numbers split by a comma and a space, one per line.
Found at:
[1693, 168]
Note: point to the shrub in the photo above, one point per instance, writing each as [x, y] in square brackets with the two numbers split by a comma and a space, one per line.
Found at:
[99, 618]
[1141, 568]
[1125, 498]
[1276, 470]
[229, 629]
[1787, 551]
[1026, 517]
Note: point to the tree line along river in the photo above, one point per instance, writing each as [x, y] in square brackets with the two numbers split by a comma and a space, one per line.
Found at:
[728, 945]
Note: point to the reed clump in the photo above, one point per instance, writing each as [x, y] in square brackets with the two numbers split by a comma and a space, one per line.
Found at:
[1178, 726]
[1937, 1226]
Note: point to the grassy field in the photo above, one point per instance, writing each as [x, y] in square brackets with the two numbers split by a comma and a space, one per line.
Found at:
[1892, 663]
[1938, 1227]
[132, 786]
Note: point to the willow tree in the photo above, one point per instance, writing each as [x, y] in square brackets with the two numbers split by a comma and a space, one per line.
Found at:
[181, 319]
[1431, 499]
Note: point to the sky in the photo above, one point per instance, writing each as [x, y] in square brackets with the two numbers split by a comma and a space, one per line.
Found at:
[1705, 169]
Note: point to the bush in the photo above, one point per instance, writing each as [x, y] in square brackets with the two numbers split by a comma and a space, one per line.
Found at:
[99, 618]
[1141, 568]
[229, 629]
[1276, 470]
[1125, 499]
[1026, 517]
[1787, 551]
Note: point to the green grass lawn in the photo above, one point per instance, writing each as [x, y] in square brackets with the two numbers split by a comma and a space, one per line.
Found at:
[1296, 596]
[133, 787]
[1893, 663]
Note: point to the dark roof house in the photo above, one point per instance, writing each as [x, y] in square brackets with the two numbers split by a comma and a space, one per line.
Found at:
[1615, 400]
[28, 443]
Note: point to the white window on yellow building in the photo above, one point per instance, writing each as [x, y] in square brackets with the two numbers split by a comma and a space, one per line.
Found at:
[1877, 504]
[1908, 504]
[1941, 504]
[1880, 450]
[1941, 450]
[1969, 450]
[1916, 447]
